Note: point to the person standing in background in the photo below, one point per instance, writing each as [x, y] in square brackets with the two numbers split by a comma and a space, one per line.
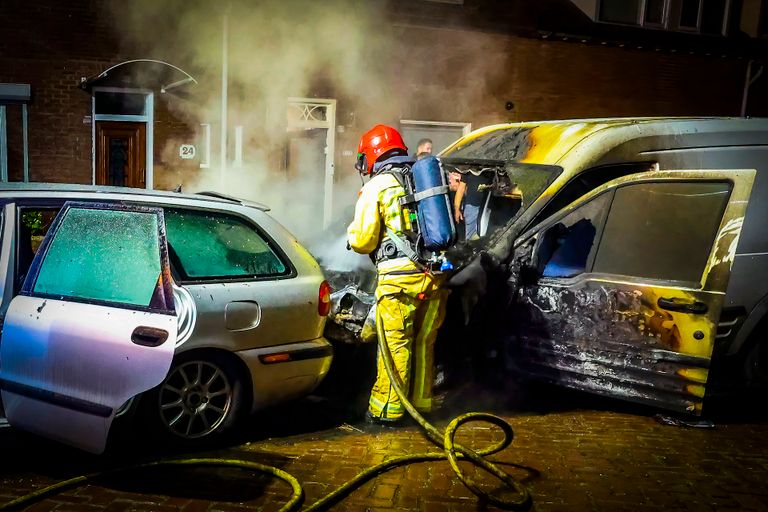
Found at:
[423, 148]
[468, 203]
[457, 188]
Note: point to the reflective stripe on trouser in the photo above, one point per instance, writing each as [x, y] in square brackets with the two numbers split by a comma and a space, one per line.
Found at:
[410, 326]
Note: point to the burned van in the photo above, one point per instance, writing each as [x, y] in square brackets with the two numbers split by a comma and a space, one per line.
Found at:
[633, 252]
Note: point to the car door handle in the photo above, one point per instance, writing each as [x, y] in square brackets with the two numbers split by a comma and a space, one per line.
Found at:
[149, 336]
[683, 306]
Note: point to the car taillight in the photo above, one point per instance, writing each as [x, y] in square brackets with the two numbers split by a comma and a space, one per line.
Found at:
[324, 304]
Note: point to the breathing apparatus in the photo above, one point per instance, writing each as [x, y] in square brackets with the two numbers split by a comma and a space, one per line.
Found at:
[427, 221]
[428, 227]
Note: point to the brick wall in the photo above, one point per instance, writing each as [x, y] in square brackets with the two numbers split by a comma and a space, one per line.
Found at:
[469, 76]
[435, 74]
[50, 45]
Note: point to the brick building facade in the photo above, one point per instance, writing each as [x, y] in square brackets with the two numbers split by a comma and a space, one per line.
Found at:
[440, 68]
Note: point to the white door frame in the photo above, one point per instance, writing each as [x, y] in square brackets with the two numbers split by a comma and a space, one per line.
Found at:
[465, 127]
[147, 118]
[318, 113]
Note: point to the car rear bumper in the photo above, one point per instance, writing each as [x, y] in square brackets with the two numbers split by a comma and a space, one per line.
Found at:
[285, 372]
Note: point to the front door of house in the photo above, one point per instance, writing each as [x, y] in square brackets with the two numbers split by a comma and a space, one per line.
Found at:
[121, 153]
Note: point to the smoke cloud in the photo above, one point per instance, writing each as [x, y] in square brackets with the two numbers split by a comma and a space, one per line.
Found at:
[277, 49]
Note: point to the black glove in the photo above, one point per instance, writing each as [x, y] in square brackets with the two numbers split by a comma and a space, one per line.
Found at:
[349, 247]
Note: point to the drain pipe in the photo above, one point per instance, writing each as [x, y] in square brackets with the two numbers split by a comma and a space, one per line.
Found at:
[747, 84]
[224, 73]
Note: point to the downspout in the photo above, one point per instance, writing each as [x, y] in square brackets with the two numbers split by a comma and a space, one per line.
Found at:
[224, 72]
[747, 84]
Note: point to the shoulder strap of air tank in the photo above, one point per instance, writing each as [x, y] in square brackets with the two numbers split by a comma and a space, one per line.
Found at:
[397, 173]
[404, 247]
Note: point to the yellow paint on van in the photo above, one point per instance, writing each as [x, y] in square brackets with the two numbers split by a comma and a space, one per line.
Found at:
[694, 374]
[677, 329]
[550, 140]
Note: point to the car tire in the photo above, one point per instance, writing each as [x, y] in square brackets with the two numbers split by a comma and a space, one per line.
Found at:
[201, 399]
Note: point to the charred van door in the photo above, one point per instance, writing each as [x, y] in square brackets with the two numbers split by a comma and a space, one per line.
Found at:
[93, 325]
[620, 292]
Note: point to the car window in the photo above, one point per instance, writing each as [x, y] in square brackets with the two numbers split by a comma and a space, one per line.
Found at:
[210, 245]
[102, 255]
[568, 247]
[33, 226]
[662, 230]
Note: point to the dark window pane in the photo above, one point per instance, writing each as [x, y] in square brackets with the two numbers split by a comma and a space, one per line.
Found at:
[713, 17]
[763, 28]
[568, 247]
[215, 245]
[118, 103]
[689, 14]
[118, 161]
[662, 230]
[619, 11]
[654, 12]
[103, 255]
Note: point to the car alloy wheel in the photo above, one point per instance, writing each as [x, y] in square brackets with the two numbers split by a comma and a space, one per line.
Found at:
[195, 399]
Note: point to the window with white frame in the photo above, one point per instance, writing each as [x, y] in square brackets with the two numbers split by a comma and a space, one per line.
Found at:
[14, 151]
[710, 17]
[441, 134]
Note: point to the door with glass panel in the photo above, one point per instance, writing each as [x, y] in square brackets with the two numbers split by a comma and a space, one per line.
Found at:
[93, 325]
[121, 153]
[620, 292]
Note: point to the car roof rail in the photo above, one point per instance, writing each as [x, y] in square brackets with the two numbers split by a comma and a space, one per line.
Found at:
[244, 202]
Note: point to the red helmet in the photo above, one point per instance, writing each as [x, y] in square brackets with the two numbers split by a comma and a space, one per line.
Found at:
[374, 143]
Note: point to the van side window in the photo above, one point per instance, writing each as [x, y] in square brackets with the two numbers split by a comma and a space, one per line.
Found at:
[585, 182]
[662, 230]
[568, 247]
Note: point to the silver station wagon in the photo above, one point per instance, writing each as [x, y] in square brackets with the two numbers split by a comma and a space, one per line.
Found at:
[194, 310]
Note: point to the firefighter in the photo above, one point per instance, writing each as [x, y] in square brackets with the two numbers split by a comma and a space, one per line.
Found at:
[410, 301]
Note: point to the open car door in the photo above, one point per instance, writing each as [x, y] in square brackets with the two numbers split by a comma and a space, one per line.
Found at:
[620, 293]
[93, 326]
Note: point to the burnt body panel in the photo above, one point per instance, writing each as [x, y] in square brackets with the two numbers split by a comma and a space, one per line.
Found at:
[612, 339]
[645, 337]
[646, 334]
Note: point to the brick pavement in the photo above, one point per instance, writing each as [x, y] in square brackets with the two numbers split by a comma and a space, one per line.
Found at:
[609, 457]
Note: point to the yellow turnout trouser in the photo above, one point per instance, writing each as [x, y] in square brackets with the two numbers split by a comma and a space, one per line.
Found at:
[410, 327]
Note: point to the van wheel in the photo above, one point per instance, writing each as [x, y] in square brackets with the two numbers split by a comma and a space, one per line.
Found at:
[200, 399]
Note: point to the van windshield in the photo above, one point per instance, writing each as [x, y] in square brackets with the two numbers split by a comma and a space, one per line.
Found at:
[507, 145]
[531, 180]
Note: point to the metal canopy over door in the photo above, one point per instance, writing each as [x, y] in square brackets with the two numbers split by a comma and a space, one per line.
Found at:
[93, 326]
[121, 154]
[620, 293]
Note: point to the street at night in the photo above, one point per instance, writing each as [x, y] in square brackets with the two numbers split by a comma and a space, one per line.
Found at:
[575, 452]
[383, 255]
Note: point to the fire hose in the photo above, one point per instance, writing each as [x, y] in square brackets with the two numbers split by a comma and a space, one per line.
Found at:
[453, 452]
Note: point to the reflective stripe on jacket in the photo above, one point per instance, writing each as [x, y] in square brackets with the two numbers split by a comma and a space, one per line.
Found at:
[378, 204]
